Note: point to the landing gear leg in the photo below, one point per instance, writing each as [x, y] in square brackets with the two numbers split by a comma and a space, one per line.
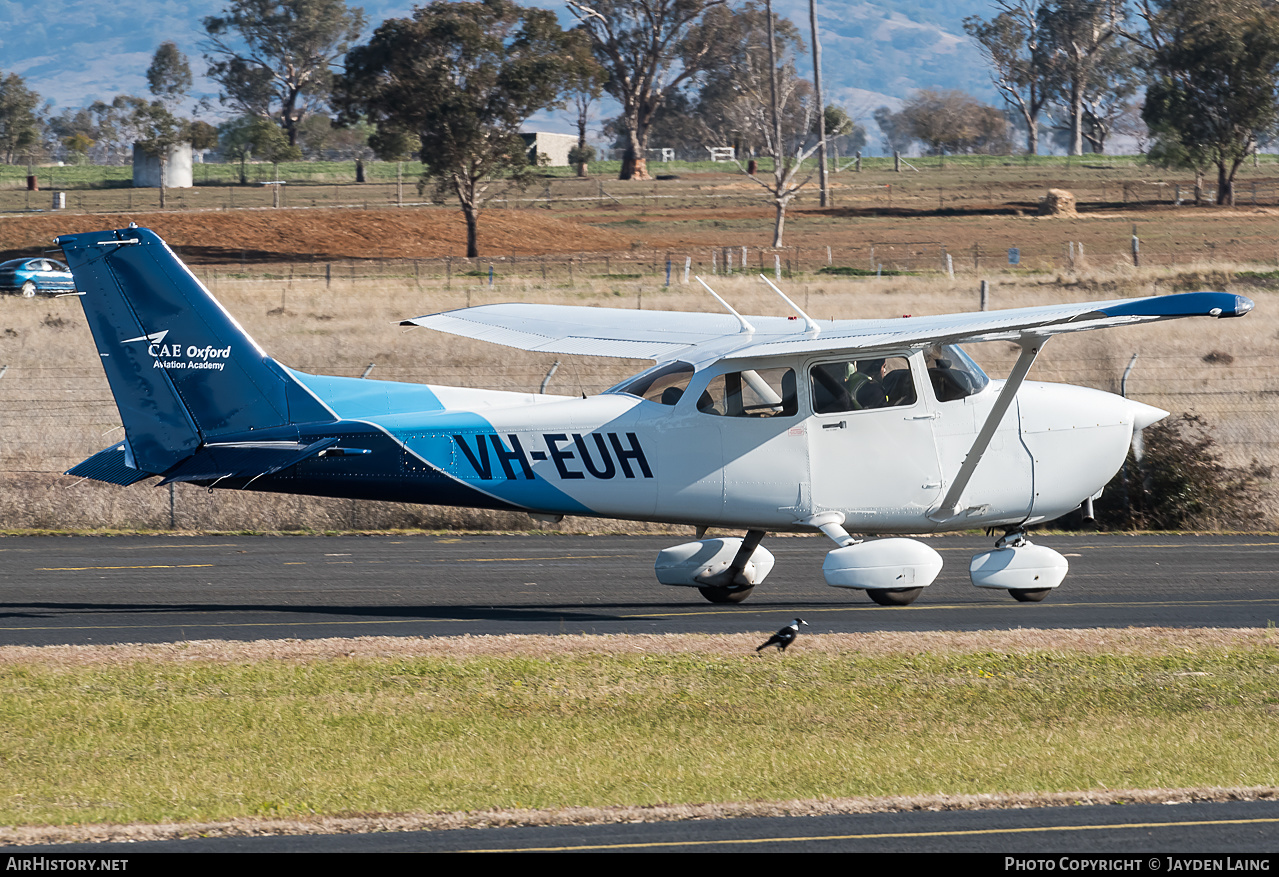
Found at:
[732, 592]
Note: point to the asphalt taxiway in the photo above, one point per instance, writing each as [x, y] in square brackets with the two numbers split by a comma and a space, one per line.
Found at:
[163, 589]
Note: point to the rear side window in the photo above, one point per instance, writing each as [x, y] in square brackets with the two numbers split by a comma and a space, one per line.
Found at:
[665, 385]
[768, 392]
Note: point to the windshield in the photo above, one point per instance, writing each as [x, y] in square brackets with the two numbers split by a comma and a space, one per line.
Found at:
[952, 373]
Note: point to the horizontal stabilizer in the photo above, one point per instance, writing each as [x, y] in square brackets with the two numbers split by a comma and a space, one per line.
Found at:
[243, 460]
[111, 466]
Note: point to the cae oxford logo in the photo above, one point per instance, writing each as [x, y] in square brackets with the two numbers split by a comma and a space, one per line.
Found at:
[170, 355]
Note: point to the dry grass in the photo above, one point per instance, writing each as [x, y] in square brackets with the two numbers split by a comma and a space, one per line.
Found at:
[1137, 642]
[58, 409]
[28, 835]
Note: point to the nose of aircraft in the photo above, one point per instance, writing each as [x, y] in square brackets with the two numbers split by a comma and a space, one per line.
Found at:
[1144, 415]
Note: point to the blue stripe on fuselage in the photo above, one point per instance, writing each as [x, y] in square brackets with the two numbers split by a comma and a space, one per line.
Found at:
[357, 398]
[457, 443]
[467, 447]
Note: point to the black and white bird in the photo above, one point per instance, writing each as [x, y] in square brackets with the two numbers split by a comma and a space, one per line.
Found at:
[784, 637]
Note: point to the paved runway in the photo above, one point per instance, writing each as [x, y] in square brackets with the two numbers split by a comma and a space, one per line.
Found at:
[159, 589]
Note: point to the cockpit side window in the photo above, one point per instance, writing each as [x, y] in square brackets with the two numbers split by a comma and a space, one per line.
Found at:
[665, 385]
[767, 392]
[952, 373]
[854, 385]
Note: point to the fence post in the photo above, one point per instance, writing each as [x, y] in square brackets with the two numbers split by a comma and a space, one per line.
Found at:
[897, 162]
[1136, 248]
[985, 294]
[688, 263]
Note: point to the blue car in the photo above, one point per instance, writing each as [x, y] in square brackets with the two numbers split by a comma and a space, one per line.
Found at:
[32, 276]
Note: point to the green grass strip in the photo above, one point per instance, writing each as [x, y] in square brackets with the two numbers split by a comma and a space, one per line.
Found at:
[153, 741]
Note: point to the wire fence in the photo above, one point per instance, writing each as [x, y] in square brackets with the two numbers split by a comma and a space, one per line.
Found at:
[59, 416]
[991, 256]
[937, 190]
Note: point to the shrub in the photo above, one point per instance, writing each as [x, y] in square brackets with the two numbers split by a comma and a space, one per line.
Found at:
[1181, 483]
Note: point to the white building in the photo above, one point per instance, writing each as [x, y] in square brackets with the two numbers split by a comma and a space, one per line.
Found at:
[177, 171]
[554, 146]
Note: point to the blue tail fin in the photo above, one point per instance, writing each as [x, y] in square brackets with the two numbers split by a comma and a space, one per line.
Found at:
[181, 369]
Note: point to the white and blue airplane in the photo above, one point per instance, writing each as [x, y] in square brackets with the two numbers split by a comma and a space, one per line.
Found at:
[753, 423]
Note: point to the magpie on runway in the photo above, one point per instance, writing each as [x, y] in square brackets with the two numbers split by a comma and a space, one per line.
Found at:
[784, 637]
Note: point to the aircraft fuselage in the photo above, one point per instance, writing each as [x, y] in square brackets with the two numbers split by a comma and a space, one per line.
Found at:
[618, 455]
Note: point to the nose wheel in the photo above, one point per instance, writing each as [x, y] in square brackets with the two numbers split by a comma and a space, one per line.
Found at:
[721, 594]
[1026, 571]
[893, 596]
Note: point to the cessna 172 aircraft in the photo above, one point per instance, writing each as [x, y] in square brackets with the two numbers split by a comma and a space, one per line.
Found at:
[754, 423]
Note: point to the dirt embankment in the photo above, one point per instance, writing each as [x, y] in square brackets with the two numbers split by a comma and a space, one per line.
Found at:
[323, 235]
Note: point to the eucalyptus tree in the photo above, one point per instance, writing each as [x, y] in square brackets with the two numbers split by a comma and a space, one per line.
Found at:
[1080, 36]
[1022, 70]
[19, 122]
[1215, 68]
[463, 77]
[650, 49]
[274, 58]
[169, 76]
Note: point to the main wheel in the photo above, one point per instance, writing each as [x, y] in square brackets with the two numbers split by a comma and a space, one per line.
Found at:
[723, 594]
[893, 596]
[1029, 595]
[29, 289]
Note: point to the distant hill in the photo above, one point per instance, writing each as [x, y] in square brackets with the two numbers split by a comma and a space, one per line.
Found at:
[72, 52]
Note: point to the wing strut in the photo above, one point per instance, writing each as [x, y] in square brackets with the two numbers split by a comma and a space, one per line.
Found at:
[1030, 347]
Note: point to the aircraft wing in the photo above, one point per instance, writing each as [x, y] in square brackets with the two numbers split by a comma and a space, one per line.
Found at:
[664, 335]
[587, 331]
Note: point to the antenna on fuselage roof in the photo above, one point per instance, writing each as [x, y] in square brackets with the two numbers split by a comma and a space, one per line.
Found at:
[810, 327]
[746, 327]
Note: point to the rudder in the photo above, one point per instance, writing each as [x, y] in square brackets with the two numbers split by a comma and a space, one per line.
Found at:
[182, 370]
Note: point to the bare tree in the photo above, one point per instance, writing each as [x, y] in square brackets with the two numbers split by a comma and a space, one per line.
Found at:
[776, 105]
[948, 122]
